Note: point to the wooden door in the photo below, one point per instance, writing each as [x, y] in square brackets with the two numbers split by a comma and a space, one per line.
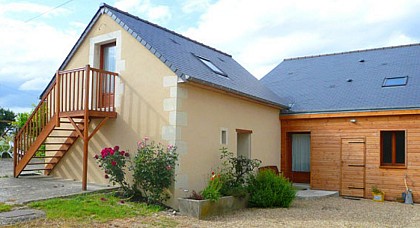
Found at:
[353, 167]
[108, 63]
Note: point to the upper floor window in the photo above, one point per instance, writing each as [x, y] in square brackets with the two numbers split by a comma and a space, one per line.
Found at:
[396, 81]
[393, 148]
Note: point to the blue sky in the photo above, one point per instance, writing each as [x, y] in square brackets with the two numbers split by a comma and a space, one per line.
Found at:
[259, 34]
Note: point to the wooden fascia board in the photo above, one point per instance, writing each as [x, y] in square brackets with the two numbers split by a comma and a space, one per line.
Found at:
[350, 114]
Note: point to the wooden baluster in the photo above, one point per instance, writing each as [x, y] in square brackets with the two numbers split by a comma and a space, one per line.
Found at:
[57, 99]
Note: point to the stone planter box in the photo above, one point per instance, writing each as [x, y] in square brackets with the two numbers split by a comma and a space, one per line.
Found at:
[202, 209]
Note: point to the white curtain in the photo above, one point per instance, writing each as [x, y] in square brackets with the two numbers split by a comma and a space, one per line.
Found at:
[301, 152]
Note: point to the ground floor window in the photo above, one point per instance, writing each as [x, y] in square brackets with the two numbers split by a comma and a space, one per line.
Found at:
[393, 148]
[301, 152]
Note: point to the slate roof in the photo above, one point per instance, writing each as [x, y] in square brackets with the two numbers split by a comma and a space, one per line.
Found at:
[180, 53]
[348, 81]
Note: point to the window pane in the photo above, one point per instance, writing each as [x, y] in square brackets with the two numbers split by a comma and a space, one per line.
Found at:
[400, 146]
[386, 146]
[398, 81]
[301, 152]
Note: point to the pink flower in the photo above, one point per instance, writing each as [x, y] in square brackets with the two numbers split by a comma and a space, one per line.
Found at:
[106, 176]
[127, 154]
[96, 156]
[140, 144]
[122, 201]
[168, 167]
[103, 199]
[122, 153]
[116, 148]
[111, 151]
[146, 138]
[113, 163]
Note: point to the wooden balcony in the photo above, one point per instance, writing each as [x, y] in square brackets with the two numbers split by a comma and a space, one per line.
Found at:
[74, 97]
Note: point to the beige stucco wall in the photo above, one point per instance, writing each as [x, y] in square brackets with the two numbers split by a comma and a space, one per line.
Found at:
[150, 102]
[207, 112]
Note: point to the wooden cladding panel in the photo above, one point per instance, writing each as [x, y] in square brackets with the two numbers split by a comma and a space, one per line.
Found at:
[326, 135]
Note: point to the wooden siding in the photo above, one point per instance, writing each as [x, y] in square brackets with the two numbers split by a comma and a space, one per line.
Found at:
[326, 142]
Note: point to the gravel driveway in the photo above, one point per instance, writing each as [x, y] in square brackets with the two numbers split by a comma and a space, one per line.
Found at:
[326, 212]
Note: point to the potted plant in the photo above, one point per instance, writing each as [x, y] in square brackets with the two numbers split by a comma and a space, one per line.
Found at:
[378, 195]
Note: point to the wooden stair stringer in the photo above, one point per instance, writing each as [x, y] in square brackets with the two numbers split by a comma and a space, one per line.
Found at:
[68, 143]
[23, 162]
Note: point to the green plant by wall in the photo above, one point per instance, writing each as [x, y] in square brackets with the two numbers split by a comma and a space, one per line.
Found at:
[267, 189]
[154, 170]
[235, 172]
[113, 162]
[212, 191]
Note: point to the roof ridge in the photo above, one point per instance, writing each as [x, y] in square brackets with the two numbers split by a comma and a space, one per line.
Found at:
[163, 28]
[350, 52]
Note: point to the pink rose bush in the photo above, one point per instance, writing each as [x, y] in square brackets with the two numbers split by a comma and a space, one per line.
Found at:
[113, 162]
[153, 169]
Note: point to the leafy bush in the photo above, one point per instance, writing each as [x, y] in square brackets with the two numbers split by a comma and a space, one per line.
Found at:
[267, 189]
[235, 172]
[154, 170]
[212, 191]
[113, 161]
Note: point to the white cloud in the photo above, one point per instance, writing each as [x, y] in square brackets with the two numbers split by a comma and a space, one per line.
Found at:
[192, 6]
[259, 34]
[153, 12]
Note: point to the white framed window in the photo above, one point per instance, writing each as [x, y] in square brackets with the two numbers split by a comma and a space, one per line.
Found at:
[223, 136]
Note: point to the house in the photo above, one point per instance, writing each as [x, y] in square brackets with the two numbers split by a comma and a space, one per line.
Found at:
[127, 78]
[353, 120]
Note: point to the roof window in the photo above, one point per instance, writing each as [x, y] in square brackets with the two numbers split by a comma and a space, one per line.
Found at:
[395, 81]
[213, 67]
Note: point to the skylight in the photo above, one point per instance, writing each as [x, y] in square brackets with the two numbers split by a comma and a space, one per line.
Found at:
[396, 81]
[213, 67]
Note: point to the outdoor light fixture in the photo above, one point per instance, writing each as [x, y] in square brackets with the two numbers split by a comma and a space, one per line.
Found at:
[353, 121]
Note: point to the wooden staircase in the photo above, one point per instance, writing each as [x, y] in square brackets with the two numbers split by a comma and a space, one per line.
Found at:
[66, 108]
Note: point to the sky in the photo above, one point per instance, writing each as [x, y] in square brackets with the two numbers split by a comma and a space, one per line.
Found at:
[36, 36]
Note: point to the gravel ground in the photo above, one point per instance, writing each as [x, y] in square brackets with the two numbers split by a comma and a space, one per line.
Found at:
[325, 212]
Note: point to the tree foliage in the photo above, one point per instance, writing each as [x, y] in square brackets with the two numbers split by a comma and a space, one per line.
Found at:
[6, 118]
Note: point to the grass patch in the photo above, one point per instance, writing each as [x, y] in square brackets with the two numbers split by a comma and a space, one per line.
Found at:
[5, 207]
[93, 207]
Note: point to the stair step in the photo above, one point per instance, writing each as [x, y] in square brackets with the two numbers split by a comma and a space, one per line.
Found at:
[62, 136]
[36, 169]
[57, 143]
[53, 150]
[42, 163]
[64, 129]
[47, 157]
[76, 122]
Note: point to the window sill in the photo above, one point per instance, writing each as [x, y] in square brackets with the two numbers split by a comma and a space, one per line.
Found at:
[393, 167]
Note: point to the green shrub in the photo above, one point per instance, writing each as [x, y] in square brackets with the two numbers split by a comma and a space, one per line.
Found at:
[270, 190]
[154, 170]
[212, 191]
[235, 172]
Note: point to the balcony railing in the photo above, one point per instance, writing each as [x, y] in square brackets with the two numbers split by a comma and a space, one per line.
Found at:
[74, 93]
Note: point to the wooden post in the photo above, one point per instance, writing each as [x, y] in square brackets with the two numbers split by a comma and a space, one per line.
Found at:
[15, 154]
[57, 98]
[86, 130]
